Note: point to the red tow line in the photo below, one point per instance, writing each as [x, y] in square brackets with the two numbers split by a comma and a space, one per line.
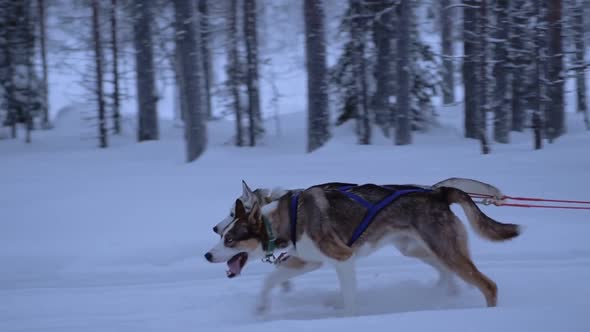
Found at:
[488, 199]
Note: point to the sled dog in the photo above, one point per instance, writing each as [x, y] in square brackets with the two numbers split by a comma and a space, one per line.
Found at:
[419, 223]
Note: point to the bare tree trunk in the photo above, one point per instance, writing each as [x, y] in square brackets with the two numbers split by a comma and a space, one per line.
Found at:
[382, 38]
[359, 69]
[447, 50]
[206, 54]
[579, 42]
[403, 133]
[178, 84]
[502, 91]
[233, 65]
[4, 64]
[469, 68]
[537, 118]
[102, 128]
[45, 123]
[144, 66]
[483, 77]
[556, 111]
[250, 32]
[9, 34]
[29, 54]
[318, 118]
[517, 63]
[115, 55]
[187, 44]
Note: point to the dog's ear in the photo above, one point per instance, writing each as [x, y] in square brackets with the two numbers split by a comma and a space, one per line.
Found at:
[246, 191]
[240, 210]
[255, 214]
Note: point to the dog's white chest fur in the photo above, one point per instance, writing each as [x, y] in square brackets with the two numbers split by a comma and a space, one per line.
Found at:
[306, 249]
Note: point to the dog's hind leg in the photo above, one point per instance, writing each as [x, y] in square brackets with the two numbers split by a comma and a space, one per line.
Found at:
[445, 241]
[410, 247]
[290, 268]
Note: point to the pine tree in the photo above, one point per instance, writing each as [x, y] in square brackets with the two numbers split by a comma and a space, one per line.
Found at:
[233, 70]
[577, 10]
[252, 82]
[29, 53]
[470, 83]
[519, 56]
[315, 50]
[98, 58]
[539, 74]
[483, 97]
[358, 63]
[379, 18]
[383, 35]
[7, 66]
[556, 111]
[426, 81]
[447, 51]
[144, 65]
[205, 36]
[115, 68]
[187, 46]
[41, 7]
[4, 64]
[502, 96]
[403, 134]
[21, 88]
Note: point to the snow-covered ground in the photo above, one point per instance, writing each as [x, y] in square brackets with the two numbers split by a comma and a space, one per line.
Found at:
[113, 240]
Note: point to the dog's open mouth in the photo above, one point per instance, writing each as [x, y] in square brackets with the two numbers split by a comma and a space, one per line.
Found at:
[236, 264]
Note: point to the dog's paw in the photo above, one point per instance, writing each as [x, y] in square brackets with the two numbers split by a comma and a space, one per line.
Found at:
[349, 311]
[262, 307]
[452, 289]
[287, 286]
[334, 302]
[448, 285]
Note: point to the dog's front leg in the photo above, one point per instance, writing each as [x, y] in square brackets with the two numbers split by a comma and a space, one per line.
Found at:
[286, 270]
[347, 277]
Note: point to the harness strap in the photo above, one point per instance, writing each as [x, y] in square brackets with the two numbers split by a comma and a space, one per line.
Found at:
[345, 188]
[356, 198]
[293, 215]
[374, 209]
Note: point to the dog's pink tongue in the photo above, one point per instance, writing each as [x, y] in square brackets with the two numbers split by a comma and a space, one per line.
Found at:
[234, 267]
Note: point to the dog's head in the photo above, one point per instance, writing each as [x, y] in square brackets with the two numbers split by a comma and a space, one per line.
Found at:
[248, 198]
[241, 239]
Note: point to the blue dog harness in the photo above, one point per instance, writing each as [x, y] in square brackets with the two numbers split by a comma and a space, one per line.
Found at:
[372, 209]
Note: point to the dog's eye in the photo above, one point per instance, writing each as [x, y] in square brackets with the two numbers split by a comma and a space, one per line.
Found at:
[231, 214]
[229, 240]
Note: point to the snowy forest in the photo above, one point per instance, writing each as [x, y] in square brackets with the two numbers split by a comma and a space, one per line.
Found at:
[383, 66]
[277, 165]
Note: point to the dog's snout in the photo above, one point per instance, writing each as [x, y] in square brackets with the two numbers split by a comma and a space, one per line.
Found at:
[215, 229]
[209, 256]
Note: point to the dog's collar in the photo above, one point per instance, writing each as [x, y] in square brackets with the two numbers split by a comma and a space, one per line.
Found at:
[269, 257]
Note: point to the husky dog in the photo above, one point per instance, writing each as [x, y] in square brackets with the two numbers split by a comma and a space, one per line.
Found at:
[420, 224]
[264, 196]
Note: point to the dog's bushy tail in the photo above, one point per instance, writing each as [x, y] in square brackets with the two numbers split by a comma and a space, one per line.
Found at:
[485, 226]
